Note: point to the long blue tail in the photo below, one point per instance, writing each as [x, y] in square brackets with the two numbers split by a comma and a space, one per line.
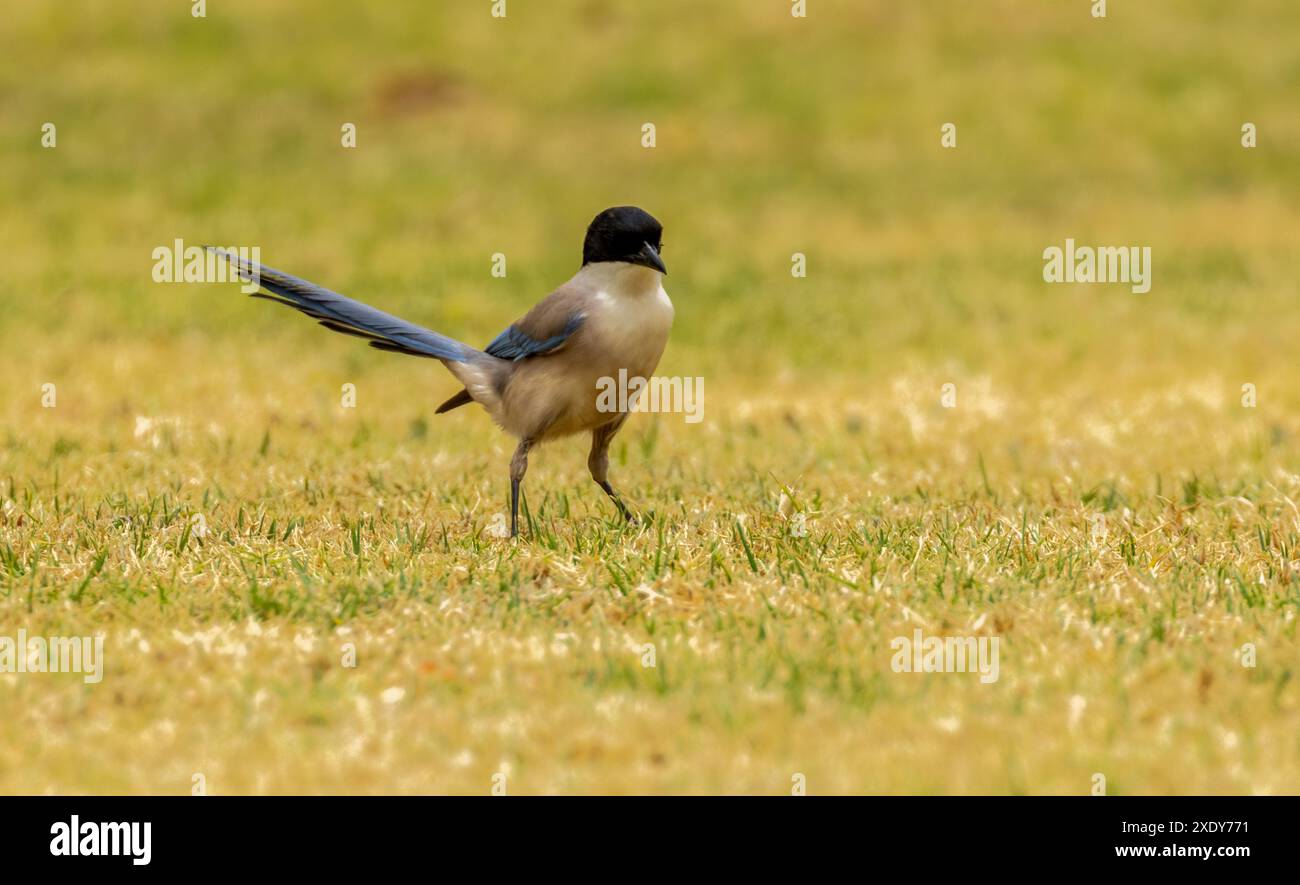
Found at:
[339, 313]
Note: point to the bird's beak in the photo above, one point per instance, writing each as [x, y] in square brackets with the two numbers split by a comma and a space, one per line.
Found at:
[649, 257]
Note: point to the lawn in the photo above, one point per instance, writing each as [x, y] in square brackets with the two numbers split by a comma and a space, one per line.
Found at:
[302, 595]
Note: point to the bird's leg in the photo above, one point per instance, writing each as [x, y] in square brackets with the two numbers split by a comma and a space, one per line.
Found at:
[598, 464]
[518, 467]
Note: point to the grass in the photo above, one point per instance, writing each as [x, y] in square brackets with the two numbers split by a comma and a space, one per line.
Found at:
[1099, 498]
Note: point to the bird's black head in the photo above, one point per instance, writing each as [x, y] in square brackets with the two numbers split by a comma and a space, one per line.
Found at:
[625, 233]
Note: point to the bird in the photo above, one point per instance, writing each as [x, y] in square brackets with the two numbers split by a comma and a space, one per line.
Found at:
[538, 379]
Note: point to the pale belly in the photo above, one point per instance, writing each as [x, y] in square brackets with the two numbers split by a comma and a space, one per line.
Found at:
[560, 395]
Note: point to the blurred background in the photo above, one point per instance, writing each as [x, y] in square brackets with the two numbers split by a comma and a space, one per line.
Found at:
[775, 135]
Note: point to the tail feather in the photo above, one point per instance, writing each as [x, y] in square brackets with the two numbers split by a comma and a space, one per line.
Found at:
[339, 313]
[461, 399]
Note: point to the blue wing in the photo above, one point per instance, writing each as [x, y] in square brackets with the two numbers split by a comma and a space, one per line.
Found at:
[516, 344]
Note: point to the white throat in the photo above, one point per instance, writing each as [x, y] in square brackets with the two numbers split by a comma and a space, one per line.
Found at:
[619, 278]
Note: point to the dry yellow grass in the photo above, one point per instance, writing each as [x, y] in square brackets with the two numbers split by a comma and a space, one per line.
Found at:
[477, 655]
